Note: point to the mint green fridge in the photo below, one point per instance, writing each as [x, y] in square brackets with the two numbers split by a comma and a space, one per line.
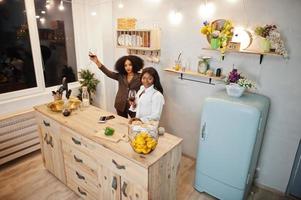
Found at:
[231, 134]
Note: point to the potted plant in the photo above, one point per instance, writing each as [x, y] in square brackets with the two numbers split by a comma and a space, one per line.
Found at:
[237, 84]
[87, 79]
[271, 40]
[219, 33]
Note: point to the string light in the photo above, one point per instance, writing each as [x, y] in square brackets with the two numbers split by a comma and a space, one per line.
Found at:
[42, 20]
[61, 6]
[43, 12]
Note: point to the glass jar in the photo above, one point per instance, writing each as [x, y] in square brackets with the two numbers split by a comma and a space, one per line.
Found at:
[85, 96]
[143, 136]
[203, 64]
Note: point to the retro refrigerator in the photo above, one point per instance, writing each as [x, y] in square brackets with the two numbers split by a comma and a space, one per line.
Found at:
[230, 138]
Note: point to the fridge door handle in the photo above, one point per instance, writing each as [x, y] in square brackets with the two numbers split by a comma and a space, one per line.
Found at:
[203, 133]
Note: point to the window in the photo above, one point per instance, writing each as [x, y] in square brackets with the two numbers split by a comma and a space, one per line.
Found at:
[33, 46]
[16, 62]
[55, 26]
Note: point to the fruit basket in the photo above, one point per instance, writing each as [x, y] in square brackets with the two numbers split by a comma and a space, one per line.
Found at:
[143, 136]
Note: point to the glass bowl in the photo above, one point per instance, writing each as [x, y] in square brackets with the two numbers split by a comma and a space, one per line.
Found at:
[143, 137]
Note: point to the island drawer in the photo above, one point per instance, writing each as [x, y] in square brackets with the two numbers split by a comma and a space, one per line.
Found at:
[79, 159]
[81, 183]
[107, 158]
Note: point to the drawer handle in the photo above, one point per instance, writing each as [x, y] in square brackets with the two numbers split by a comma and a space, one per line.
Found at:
[114, 183]
[81, 192]
[77, 159]
[50, 142]
[124, 188]
[79, 176]
[117, 165]
[46, 123]
[76, 141]
[45, 138]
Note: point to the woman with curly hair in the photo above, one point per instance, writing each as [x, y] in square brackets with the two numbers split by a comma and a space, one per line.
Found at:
[128, 78]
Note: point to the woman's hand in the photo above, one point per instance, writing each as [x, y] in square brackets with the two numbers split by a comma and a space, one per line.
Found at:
[94, 59]
[132, 103]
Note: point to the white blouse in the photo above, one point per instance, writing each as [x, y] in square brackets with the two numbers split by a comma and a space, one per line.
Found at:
[149, 103]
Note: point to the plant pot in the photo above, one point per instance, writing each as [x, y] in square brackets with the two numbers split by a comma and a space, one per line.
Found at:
[215, 43]
[265, 45]
[234, 90]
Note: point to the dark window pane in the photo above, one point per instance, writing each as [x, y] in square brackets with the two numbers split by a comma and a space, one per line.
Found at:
[16, 64]
[57, 41]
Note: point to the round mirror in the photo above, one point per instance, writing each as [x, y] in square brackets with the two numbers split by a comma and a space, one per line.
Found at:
[242, 36]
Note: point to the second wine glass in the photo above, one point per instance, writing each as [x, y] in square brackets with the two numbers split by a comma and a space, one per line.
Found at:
[132, 95]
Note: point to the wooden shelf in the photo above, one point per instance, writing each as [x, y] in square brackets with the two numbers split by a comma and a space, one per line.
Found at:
[195, 74]
[261, 54]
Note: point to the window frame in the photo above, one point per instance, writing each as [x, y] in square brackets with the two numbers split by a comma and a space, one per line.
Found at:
[37, 60]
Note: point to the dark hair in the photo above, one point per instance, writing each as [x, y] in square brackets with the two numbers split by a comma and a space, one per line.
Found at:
[136, 61]
[153, 72]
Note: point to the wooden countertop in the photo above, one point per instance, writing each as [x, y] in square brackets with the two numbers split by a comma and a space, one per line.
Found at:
[85, 122]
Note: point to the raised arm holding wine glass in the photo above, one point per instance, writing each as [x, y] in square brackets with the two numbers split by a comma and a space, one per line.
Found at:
[128, 77]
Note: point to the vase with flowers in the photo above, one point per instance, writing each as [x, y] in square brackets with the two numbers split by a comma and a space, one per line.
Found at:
[271, 40]
[237, 84]
[219, 33]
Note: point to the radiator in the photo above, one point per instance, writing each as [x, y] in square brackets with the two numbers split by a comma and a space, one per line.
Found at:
[18, 135]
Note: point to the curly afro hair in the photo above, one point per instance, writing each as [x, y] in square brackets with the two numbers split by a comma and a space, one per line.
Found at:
[136, 61]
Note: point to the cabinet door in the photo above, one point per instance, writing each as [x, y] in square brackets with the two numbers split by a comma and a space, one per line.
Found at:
[46, 150]
[131, 191]
[52, 152]
[57, 157]
[109, 184]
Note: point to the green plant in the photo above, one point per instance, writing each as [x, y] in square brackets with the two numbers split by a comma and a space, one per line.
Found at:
[87, 79]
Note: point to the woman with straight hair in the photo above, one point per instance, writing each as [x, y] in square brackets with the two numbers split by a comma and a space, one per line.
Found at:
[149, 99]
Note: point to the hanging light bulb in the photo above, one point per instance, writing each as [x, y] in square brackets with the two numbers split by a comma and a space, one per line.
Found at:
[61, 6]
[43, 12]
[207, 10]
[175, 17]
[37, 16]
[120, 4]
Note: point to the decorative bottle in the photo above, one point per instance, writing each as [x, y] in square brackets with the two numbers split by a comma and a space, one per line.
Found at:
[85, 96]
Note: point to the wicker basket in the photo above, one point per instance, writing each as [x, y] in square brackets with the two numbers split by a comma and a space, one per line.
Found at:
[126, 23]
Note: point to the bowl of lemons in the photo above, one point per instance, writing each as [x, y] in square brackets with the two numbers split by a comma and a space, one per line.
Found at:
[143, 137]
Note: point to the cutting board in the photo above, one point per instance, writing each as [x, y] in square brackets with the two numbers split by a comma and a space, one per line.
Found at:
[116, 137]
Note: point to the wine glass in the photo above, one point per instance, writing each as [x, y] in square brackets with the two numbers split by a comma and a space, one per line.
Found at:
[132, 95]
[92, 54]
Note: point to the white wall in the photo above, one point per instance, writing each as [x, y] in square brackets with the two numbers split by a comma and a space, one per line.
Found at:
[277, 79]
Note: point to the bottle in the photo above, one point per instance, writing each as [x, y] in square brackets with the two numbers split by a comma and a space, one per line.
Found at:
[85, 96]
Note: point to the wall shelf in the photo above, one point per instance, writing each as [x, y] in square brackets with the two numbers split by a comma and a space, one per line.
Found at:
[195, 74]
[261, 54]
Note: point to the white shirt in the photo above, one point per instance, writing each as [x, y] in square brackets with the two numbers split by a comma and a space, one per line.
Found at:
[149, 104]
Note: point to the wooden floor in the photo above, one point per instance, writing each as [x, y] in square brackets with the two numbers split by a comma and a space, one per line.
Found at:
[27, 179]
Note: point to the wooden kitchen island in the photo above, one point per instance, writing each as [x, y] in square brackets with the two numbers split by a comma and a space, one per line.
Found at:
[96, 168]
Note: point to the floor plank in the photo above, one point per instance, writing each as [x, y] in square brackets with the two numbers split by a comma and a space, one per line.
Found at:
[27, 179]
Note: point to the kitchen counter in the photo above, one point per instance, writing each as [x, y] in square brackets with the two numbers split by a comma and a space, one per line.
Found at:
[66, 141]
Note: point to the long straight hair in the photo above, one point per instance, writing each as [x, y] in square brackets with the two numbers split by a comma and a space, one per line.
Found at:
[153, 72]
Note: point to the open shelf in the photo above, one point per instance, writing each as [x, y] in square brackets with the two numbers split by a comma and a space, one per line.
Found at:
[261, 54]
[195, 74]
